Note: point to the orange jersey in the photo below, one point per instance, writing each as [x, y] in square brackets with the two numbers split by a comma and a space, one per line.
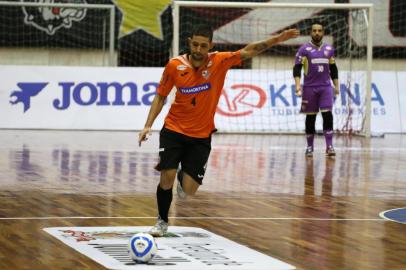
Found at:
[198, 92]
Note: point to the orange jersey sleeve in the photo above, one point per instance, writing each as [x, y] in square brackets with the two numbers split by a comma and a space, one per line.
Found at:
[166, 84]
[198, 92]
[229, 59]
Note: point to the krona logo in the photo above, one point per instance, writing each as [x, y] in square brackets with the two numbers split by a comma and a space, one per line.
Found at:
[50, 19]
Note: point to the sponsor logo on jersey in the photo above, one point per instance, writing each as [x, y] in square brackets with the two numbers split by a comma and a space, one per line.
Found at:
[181, 67]
[320, 61]
[195, 89]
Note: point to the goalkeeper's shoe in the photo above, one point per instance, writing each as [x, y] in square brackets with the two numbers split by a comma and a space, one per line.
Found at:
[309, 151]
[330, 152]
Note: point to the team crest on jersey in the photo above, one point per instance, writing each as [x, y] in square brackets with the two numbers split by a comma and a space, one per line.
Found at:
[205, 74]
[181, 67]
[309, 48]
[50, 19]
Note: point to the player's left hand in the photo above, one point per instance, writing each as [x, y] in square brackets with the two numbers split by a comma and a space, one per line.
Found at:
[336, 91]
[298, 91]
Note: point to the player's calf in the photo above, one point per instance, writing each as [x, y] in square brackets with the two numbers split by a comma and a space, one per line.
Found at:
[179, 188]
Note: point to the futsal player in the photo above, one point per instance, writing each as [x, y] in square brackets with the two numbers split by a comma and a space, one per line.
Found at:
[317, 60]
[185, 138]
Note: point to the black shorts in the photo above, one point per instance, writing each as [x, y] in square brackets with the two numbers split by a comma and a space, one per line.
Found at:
[191, 153]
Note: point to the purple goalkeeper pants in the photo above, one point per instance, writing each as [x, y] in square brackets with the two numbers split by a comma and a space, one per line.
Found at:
[317, 98]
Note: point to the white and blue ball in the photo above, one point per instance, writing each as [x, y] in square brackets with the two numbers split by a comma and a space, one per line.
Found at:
[142, 247]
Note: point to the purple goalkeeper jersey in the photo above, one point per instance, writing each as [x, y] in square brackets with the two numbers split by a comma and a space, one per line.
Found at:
[315, 63]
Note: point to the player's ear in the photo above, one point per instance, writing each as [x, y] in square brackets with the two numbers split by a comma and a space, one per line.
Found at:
[211, 45]
[189, 40]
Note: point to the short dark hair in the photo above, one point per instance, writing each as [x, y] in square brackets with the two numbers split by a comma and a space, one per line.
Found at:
[202, 30]
[317, 22]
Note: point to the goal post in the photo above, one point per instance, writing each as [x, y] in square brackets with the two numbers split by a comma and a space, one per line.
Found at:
[46, 17]
[258, 96]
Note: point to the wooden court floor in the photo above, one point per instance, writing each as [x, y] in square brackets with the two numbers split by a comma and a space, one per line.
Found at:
[259, 191]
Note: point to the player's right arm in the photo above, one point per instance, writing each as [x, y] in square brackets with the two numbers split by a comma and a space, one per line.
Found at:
[154, 111]
[165, 86]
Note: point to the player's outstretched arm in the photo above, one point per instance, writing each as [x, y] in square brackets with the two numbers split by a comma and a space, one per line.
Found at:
[255, 48]
[155, 109]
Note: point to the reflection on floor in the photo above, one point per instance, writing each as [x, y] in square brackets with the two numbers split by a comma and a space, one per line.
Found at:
[92, 162]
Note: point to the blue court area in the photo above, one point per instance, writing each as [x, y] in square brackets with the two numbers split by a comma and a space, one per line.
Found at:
[397, 215]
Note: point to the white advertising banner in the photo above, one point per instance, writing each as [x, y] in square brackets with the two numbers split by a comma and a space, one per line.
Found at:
[265, 101]
[43, 97]
[401, 80]
[385, 106]
[77, 97]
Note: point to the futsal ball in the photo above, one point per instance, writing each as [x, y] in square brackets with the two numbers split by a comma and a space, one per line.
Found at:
[142, 247]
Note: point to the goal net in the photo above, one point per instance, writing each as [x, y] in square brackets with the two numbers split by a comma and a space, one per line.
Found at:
[259, 95]
[65, 33]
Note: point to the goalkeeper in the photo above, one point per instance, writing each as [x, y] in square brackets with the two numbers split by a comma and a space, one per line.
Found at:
[185, 138]
[317, 58]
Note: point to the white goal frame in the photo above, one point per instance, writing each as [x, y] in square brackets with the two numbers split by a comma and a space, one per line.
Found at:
[112, 15]
[370, 24]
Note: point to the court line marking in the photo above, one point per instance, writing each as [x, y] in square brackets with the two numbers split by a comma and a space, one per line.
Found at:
[382, 215]
[197, 218]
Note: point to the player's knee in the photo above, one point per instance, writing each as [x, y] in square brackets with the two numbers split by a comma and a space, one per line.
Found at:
[167, 178]
[310, 124]
[164, 184]
[327, 120]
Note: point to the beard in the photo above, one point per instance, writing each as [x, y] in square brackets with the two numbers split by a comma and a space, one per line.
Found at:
[317, 39]
[197, 56]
